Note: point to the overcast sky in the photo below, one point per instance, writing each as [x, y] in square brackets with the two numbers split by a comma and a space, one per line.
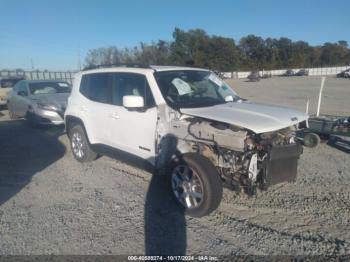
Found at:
[51, 33]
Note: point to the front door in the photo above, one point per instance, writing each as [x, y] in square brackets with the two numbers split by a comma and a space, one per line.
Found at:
[133, 130]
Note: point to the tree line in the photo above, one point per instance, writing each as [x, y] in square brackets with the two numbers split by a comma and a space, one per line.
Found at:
[197, 48]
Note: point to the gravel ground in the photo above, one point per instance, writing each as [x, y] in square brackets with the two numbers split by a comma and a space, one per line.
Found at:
[295, 91]
[51, 204]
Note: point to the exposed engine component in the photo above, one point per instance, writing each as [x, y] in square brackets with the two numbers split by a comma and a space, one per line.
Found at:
[245, 160]
[218, 134]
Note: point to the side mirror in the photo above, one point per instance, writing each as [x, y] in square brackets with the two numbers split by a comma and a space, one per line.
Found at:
[228, 99]
[133, 102]
[22, 93]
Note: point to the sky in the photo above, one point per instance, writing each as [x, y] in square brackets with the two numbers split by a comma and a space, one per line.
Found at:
[54, 34]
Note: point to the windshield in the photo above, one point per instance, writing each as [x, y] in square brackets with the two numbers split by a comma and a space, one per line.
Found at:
[191, 88]
[49, 88]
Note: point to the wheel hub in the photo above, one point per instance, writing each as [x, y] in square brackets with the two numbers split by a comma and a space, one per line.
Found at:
[187, 186]
[77, 145]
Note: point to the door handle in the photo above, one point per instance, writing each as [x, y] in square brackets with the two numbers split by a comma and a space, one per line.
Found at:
[114, 115]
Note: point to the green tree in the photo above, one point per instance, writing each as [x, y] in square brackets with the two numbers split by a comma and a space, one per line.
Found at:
[195, 47]
[254, 50]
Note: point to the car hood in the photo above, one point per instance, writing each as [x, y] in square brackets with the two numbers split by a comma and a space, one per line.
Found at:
[259, 118]
[59, 100]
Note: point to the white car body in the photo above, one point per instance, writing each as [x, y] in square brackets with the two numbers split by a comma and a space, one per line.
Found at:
[245, 140]
[259, 118]
[6, 85]
[3, 95]
[253, 116]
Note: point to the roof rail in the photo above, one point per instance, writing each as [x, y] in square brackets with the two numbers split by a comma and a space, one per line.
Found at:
[116, 65]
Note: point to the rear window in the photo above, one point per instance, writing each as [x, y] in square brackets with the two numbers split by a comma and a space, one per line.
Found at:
[97, 87]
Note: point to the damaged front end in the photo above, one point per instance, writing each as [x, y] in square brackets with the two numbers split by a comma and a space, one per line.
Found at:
[265, 159]
[244, 159]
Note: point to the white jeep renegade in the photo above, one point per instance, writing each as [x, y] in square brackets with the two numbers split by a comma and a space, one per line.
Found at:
[188, 124]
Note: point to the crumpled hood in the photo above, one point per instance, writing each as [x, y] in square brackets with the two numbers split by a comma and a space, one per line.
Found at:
[259, 118]
[59, 100]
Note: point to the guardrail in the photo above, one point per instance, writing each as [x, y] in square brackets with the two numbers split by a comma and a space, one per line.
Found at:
[318, 71]
[39, 75]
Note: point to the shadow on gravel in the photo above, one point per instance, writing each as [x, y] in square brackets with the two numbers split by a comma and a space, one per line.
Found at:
[25, 151]
[339, 143]
[165, 224]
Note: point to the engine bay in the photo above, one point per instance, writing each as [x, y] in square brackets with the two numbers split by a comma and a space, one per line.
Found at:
[245, 160]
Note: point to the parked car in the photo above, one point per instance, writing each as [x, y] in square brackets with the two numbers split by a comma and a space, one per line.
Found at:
[254, 76]
[190, 125]
[302, 72]
[41, 102]
[345, 73]
[289, 72]
[222, 75]
[6, 84]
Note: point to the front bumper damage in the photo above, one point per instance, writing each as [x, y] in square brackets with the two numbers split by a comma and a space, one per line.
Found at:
[48, 117]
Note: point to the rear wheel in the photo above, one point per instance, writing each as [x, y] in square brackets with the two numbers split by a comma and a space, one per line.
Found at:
[80, 145]
[196, 185]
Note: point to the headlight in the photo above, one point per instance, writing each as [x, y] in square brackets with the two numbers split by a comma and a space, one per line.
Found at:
[47, 107]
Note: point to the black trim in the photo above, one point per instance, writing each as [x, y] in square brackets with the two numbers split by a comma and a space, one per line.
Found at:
[145, 148]
[123, 156]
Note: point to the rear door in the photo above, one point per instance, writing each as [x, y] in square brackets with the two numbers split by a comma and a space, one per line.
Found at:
[95, 107]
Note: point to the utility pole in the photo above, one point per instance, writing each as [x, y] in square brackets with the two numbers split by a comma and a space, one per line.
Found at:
[79, 60]
[32, 63]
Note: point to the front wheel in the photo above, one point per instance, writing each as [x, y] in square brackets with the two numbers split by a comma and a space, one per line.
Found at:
[196, 185]
[32, 118]
[11, 113]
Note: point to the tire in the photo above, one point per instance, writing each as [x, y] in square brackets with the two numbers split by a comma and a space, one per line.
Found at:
[311, 140]
[31, 118]
[11, 114]
[204, 185]
[80, 145]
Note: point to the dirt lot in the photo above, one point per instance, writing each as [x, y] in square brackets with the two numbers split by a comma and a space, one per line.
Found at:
[51, 204]
[295, 91]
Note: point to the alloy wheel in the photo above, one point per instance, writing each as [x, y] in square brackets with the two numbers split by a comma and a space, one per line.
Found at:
[78, 145]
[187, 186]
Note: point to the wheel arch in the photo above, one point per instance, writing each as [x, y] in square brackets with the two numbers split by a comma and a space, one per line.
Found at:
[70, 121]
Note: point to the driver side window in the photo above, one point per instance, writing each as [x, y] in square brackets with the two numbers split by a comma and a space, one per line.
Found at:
[131, 84]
